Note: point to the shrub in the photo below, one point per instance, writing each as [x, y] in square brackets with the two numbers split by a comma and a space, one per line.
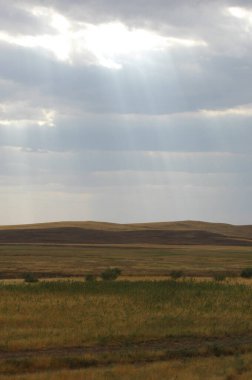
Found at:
[175, 274]
[30, 277]
[219, 277]
[246, 273]
[240, 365]
[111, 274]
[90, 277]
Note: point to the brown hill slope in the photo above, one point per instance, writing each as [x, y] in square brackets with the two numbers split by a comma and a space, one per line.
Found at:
[184, 232]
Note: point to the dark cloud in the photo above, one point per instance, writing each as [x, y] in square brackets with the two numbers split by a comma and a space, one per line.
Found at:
[171, 134]
[173, 83]
[16, 18]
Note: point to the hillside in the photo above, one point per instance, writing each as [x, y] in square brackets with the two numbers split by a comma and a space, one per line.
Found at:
[183, 232]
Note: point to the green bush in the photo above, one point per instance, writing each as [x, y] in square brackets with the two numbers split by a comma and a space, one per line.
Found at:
[90, 277]
[30, 277]
[246, 273]
[219, 277]
[175, 274]
[110, 274]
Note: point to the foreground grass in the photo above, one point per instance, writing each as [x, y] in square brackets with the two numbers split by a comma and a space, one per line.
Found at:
[237, 367]
[66, 314]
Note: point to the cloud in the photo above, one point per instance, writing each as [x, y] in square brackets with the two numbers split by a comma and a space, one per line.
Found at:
[16, 19]
[140, 110]
[190, 132]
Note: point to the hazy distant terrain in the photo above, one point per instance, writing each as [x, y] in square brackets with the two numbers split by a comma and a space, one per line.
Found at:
[184, 232]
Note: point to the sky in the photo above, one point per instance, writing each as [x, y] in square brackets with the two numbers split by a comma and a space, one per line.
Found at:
[125, 111]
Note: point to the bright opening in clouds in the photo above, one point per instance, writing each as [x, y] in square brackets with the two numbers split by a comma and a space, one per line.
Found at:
[113, 42]
[109, 43]
[59, 43]
[241, 13]
[114, 111]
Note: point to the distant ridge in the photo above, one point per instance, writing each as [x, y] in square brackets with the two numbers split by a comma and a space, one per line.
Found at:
[91, 232]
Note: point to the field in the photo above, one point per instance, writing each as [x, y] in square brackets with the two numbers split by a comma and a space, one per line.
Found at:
[236, 367]
[142, 326]
[63, 261]
[178, 233]
[55, 325]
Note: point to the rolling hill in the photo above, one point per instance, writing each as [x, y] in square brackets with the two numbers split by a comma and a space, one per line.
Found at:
[164, 233]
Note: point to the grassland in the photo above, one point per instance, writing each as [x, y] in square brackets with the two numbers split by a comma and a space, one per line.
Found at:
[238, 367]
[187, 225]
[110, 233]
[76, 313]
[158, 329]
[58, 261]
[60, 325]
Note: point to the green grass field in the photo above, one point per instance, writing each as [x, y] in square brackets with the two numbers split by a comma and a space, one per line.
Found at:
[69, 325]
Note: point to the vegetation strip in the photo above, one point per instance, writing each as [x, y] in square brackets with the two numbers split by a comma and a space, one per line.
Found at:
[173, 346]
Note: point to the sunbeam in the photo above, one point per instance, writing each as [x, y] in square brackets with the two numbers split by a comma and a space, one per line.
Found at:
[127, 106]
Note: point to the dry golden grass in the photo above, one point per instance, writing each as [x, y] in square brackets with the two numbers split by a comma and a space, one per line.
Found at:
[222, 368]
[56, 261]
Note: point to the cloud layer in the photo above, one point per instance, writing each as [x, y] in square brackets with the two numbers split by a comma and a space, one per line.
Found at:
[125, 111]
